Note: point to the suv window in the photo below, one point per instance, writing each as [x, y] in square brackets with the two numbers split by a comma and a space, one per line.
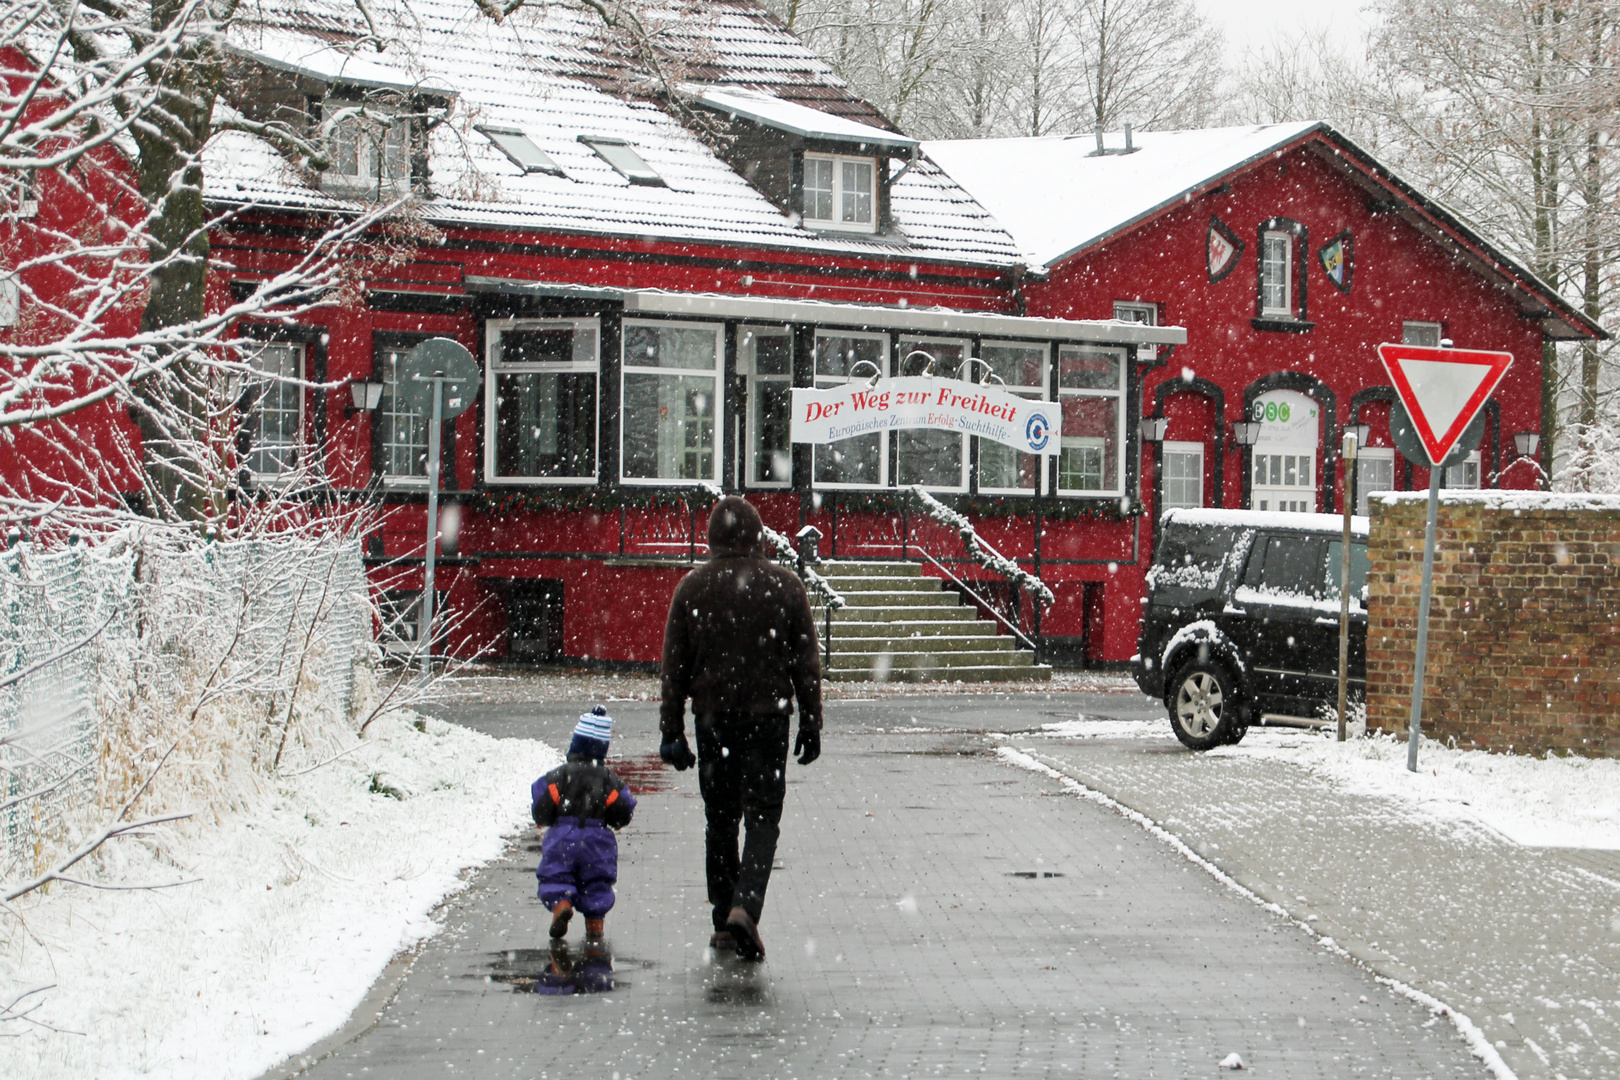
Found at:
[1188, 566]
[1358, 570]
[1290, 565]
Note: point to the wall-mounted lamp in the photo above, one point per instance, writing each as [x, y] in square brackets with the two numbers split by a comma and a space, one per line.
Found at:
[1153, 428]
[1359, 432]
[367, 394]
[1527, 443]
[1245, 432]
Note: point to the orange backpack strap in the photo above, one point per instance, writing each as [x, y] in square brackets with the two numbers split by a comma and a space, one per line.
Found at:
[555, 797]
[613, 797]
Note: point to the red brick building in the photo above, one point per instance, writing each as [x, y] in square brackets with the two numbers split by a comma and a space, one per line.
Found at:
[1288, 254]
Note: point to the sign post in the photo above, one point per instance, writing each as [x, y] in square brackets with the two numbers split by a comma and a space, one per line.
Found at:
[1443, 390]
[1348, 453]
[441, 377]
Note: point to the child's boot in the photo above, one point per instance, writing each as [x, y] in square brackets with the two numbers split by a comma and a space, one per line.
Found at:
[593, 929]
[559, 918]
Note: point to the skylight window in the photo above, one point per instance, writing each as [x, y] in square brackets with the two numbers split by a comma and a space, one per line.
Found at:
[628, 163]
[523, 152]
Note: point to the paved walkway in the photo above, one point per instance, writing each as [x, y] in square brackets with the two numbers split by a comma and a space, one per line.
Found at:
[1524, 941]
[936, 913]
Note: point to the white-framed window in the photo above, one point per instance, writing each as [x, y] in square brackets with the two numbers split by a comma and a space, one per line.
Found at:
[840, 192]
[765, 358]
[1139, 311]
[401, 426]
[864, 460]
[540, 400]
[19, 193]
[1277, 274]
[1022, 367]
[1282, 463]
[370, 149]
[275, 417]
[1375, 472]
[1181, 474]
[934, 459]
[1422, 333]
[399, 614]
[671, 412]
[1463, 476]
[1091, 395]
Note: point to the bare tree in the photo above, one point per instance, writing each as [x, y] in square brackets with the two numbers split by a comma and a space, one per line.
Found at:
[1156, 63]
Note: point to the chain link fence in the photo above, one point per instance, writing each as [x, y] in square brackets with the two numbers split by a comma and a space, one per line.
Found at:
[108, 651]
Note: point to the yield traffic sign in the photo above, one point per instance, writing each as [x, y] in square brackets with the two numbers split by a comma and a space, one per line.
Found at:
[1442, 389]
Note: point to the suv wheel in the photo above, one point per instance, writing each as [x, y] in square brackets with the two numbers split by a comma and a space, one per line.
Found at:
[1204, 706]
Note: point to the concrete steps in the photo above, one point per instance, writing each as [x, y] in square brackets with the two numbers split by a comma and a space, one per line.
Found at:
[899, 626]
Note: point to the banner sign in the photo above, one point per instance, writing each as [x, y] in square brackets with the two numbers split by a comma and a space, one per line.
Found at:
[860, 408]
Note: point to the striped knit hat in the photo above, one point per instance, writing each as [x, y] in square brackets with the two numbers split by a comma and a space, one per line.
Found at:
[591, 735]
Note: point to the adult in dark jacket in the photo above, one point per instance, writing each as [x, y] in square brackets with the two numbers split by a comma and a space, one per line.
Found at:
[741, 644]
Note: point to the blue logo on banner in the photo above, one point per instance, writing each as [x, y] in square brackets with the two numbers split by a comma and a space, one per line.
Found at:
[1035, 432]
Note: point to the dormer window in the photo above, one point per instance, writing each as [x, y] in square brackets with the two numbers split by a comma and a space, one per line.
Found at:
[625, 161]
[840, 192]
[370, 147]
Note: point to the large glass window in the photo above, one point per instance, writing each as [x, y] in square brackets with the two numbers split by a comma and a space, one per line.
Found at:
[864, 460]
[934, 459]
[401, 428]
[840, 192]
[1181, 474]
[765, 354]
[540, 400]
[671, 401]
[275, 418]
[1091, 396]
[1022, 368]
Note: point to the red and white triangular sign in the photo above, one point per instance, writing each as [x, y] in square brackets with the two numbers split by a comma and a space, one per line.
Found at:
[1442, 389]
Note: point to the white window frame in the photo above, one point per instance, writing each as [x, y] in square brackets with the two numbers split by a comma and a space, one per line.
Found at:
[1086, 441]
[746, 336]
[717, 373]
[493, 366]
[839, 380]
[1024, 390]
[368, 179]
[1413, 329]
[395, 418]
[1185, 449]
[1260, 496]
[1145, 313]
[908, 345]
[255, 349]
[839, 193]
[1286, 311]
[1364, 488]
[1472, 462]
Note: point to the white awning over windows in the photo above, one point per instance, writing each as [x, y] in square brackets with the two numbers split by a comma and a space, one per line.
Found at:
[801, 120]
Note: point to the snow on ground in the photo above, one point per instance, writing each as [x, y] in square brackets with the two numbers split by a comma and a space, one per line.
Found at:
[298, 905]
[1568, 802]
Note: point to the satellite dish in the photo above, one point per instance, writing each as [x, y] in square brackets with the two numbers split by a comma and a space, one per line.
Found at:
[1406, 438]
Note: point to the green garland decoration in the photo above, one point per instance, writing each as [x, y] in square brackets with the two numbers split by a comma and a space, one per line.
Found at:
[592, 498]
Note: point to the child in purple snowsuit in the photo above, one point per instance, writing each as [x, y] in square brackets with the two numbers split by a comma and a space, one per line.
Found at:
[579, 804]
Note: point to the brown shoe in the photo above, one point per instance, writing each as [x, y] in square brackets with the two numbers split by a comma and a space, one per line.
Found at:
[593, 929]
[745, 933]
[559, 918]
[722, 941]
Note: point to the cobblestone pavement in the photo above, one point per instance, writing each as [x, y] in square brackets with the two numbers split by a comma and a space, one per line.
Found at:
[935, 913]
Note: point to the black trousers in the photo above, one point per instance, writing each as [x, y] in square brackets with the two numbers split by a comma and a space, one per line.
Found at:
[742, 773]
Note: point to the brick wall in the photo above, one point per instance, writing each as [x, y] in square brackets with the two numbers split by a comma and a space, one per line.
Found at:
[1524, 625]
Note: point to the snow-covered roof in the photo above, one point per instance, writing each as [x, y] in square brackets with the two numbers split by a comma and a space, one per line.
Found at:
[797, 119]
[1057, 195]
[555, 73]
[1267, 519]
[303, 54]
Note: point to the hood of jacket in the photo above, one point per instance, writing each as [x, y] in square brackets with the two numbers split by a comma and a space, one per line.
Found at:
[734, 527]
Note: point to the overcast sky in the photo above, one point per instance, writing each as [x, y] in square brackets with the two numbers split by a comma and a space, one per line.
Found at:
[1252, 24]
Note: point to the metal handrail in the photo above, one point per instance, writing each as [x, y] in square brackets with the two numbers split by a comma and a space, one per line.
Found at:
[981, 600]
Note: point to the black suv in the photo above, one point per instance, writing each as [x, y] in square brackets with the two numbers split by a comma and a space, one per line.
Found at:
[1241, 620]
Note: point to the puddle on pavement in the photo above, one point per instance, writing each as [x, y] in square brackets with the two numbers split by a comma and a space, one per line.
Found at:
[1033, 874]
[560, 970]
[643, 772]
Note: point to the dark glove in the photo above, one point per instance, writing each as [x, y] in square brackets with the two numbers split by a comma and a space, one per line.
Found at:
[677, 753]
[808, 744]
